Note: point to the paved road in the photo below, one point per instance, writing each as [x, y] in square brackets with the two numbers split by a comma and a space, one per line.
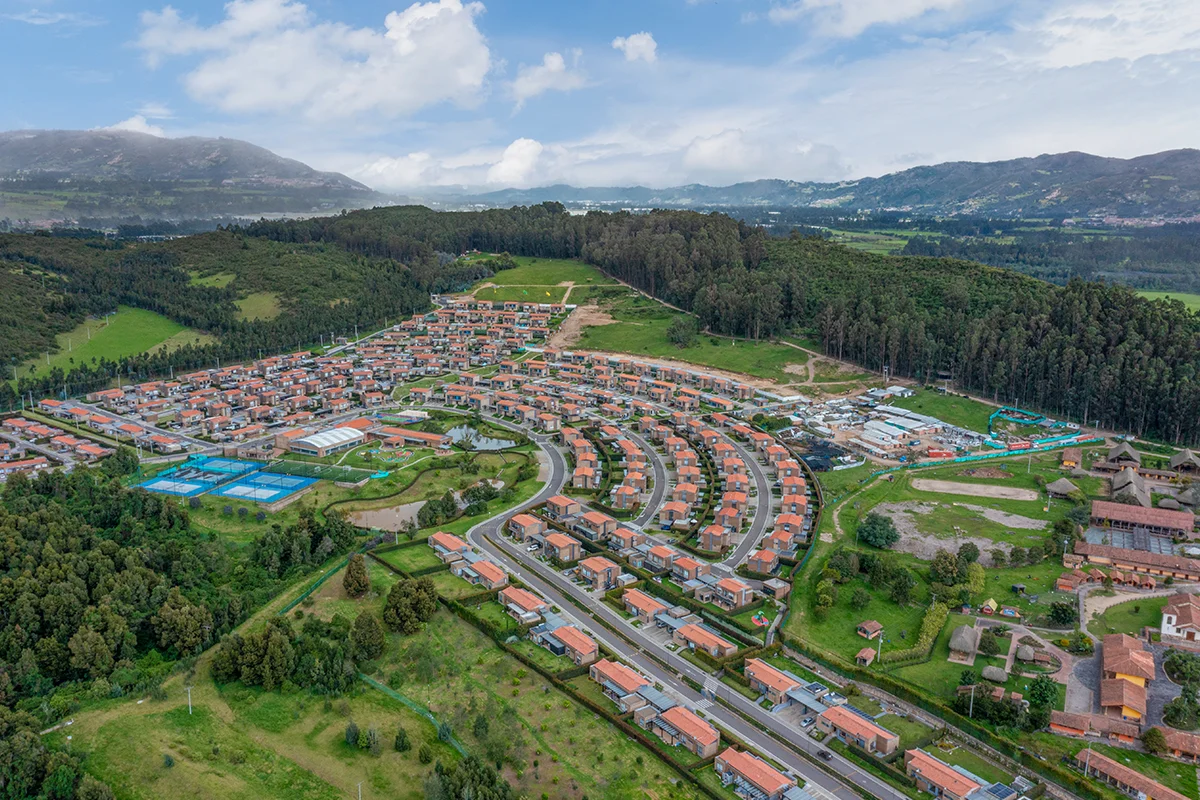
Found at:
[148, 428]
[55, 456]
[650, 510]
[634, 647]
[762, 510]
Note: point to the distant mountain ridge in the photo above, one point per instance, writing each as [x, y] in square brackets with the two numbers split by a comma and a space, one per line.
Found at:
[1163, 184]
[128, 173]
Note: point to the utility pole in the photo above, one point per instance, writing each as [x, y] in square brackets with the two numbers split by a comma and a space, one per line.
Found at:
[971, 713]
[360, 790]
[189, 691]
[879, 648]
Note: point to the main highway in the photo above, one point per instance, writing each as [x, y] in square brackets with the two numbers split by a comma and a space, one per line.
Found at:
[635, 648]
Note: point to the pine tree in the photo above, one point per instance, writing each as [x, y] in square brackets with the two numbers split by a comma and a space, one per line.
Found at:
[356, 583]
[403, 745]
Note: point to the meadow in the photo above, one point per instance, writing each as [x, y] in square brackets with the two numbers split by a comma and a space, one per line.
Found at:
[950, 408]
[258, 305]
[549, 272]
[127, 332]
[1192, 301]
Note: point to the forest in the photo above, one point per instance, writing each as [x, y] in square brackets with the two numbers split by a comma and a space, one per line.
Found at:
[103, 591]
[1087, 351]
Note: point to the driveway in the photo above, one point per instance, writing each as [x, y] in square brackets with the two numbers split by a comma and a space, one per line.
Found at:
[1082, 685]
[1160, 690]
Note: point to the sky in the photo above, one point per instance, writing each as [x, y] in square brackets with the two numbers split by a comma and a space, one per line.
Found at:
[519, 93]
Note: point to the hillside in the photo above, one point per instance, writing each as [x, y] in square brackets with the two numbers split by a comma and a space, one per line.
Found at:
[98, 174]
[1064, 184]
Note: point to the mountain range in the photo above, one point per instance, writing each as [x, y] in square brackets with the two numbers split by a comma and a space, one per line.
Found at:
[55, 174]
[1164, 184]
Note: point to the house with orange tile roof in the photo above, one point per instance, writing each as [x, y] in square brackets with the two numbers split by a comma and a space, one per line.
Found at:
[851, 727]
[1123, 777]
[939, 778]
[751, 777]
[599, 572]
[714, 538]
[480, 572]
[730, 594]
[524, 526]
[595, 526]
[616, 680]
[1181, 620]
[522, 605]
[697, 637]
[560, 507]
[766, 679]
[682, 727]
[641, 605]
[686, 568]
[447, 546]
[764, 562]
[577, 645]
[562, 547]
[660, 558]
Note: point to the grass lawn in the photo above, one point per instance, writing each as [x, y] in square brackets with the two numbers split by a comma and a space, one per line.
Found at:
[523, 294]
[970, 761]
[185, 337]
[837, 633]
[332, 599]
[411, 558]
[548, 272]
[452, 586]
[1129, 617]
[641, 329]
[541, 656]
[218, 280]
[1192, 301]
[953, 409]
[127, 332]
[258, 305]
[549, 743]
[908, 729]
[866, 704]
[1174, 775]
[770, 611]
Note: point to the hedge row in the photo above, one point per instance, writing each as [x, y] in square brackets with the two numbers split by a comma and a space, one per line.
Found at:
[931, 625]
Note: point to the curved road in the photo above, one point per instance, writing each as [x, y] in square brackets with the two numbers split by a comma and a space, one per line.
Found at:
[634, 647]
[762, 510]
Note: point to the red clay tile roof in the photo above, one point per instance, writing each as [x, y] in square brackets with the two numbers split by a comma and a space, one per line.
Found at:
[687, 723]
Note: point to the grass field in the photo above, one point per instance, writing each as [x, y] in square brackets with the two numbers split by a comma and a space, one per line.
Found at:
[1128, 617]
[641, 329]
[218, 280]
[549, 743]
[522, 294]
[548, 272]
[961, 411]
[411, 558]
[127, 332]
[962, 757]
[1192, 301]
[258, 305]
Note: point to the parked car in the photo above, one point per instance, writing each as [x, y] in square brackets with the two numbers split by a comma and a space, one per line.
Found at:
[532, 547]
[825, 754]
[807, 722]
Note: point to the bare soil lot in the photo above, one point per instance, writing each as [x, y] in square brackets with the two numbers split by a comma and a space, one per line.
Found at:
[973, 489]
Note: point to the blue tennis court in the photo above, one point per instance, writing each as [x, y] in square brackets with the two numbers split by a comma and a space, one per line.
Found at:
[226, 466]
[179, 486]
[264, 487]
[197, 476]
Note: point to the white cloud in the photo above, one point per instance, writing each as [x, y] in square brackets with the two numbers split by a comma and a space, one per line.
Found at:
[518, 165]
[638, 47]
[137, 124]
[1099, 30]
[849, 18]
[65, 18]
[552, 74]
[155, 111]
[275, 56]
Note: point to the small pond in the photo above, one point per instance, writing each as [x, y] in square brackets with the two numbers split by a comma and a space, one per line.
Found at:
[465, 433]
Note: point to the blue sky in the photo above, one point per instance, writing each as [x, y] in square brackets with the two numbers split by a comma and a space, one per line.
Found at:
[658, 92]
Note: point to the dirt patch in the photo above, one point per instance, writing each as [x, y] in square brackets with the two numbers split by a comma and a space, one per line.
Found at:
[571, 330]
[798, 369]
[973, 489]
[1009, 520]
[986, 472]
[925, 545]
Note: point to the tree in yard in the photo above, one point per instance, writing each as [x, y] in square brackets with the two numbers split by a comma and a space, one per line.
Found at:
[682, 331]
[944, 568]
[988, 645]
[1062, 613]
[425, 753]
[1017, 556]
[409, 604]
[969, 552]
[968, 678]
[352, 734]
[902, 588]
[1154, 741]
[368, 637]
[877, 530]
[999, 557]
[860, 599]
[975, 577]
[355, 582]
[403, 745]
[1043, 691]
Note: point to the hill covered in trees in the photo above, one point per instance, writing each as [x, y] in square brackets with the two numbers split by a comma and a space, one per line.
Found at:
[1087, 351]
[108, 173]
[1060, 184]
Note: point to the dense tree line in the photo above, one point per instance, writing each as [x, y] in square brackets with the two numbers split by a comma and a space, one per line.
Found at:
[1085, 351]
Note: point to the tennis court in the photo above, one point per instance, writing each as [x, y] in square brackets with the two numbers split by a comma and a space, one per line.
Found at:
[197, 476]
[264, 487]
